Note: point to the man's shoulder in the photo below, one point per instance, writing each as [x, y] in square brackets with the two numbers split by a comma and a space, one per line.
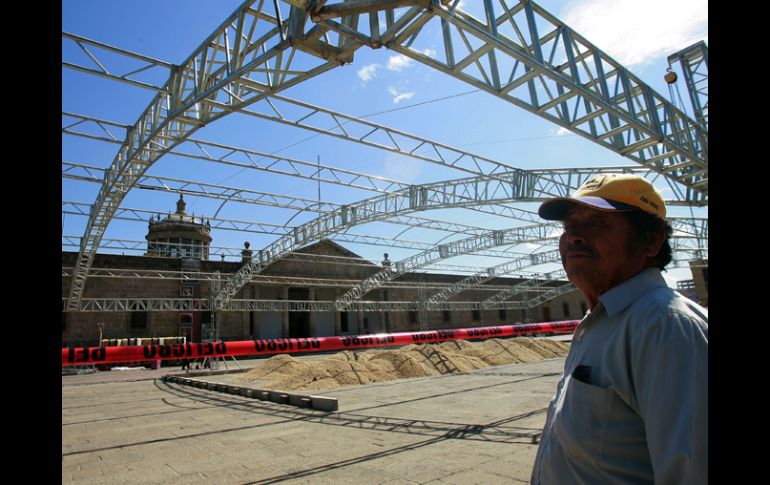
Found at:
[664, 305]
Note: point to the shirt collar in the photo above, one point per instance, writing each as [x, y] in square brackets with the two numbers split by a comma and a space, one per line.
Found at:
[622, 295]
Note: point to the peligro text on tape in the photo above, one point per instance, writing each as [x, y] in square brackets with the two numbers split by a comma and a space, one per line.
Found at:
[138, 353]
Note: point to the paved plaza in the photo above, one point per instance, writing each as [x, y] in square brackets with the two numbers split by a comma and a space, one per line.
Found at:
[131, 427]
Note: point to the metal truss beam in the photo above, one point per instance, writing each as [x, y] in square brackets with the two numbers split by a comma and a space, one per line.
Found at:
[211, 191]
[565, 177]
[684, 229]
[697, 252]
[149, 182]
[332, 117]
[576, 80]
[466, 246]
[443, 251]
[133, 245]
[482, 277]
[694, 61]
[346, 127]
[249, 56]
[522, 54]
[178, 305]
[139, 75]
[455, 193]
[571, 178]
[141, 215]
[84, 126]
[526, 286]
[271, 280]
[549, 295]
[79, 125]
[354, 129]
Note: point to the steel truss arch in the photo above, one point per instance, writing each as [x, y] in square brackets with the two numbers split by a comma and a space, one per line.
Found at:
[573, 85]
[482, 277]
[454, 193]
[525, 286]
[238, 64]
[529, 58]
[556, 181]
[530, 234]
[468, 245]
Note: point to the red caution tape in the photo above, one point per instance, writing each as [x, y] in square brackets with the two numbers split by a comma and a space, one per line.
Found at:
[138, 353]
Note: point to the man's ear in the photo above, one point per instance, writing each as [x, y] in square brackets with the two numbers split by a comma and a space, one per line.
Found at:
[655, 243]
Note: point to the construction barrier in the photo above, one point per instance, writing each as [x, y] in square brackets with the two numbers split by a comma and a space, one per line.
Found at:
[138, 353]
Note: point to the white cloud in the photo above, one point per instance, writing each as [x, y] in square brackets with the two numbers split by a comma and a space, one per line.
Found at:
[563, 131]
[429, 52]
[368, 72]
[401, 168]
[398, 62]
[633, 32]
[400, 96]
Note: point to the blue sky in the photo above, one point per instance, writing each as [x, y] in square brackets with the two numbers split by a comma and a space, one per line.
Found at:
[381, 86]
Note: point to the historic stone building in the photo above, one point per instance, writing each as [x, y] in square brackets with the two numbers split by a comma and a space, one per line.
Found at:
[316, 274]
[176, 266]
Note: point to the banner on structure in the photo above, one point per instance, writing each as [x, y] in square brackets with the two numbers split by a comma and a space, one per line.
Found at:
[139, 353]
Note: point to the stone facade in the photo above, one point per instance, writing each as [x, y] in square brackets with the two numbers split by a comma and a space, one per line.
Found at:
[80, 328]
[700, 276]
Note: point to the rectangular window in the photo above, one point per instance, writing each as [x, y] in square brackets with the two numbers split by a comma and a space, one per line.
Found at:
[501, 314]
[446, 315]
[138, 321]
[344, 322]
[412, 316]
[174, 250]
[475, 315]
[565, 307]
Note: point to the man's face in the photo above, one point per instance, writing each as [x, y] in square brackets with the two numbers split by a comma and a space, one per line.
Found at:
[595, 250]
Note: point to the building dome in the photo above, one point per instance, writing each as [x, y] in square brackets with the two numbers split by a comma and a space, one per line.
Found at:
[179, 235]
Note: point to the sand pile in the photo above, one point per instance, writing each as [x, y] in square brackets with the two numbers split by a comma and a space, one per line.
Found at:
[349, 368]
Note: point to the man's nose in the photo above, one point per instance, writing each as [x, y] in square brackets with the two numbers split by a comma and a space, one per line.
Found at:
[573, 235]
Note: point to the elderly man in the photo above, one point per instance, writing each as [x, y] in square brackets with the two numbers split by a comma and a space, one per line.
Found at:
[632, 403]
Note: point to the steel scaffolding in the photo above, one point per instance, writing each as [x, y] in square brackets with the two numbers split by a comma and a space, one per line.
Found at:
[514, 51]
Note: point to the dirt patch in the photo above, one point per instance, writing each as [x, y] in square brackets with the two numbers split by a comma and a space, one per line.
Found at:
[351, 368]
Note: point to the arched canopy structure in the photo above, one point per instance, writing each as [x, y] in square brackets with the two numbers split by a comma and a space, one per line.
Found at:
[510, 51]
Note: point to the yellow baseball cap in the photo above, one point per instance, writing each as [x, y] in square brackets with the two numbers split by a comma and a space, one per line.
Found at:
[613, 193]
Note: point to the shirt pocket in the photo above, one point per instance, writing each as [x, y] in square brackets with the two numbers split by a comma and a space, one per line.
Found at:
[581, 418]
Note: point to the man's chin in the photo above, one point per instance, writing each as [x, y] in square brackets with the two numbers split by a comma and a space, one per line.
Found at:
[577, 275]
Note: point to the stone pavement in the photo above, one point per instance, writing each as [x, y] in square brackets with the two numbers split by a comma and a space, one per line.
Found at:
[475, 427]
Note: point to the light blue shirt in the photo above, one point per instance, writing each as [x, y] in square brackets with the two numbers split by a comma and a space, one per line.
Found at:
[632, 403]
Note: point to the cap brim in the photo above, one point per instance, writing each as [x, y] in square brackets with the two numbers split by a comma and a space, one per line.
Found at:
[556, 209]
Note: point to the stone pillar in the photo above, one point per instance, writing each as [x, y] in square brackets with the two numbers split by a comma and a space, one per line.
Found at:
[337, 316]
[254, 316]
[312, 316]
[285, 314]
[384, 316]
